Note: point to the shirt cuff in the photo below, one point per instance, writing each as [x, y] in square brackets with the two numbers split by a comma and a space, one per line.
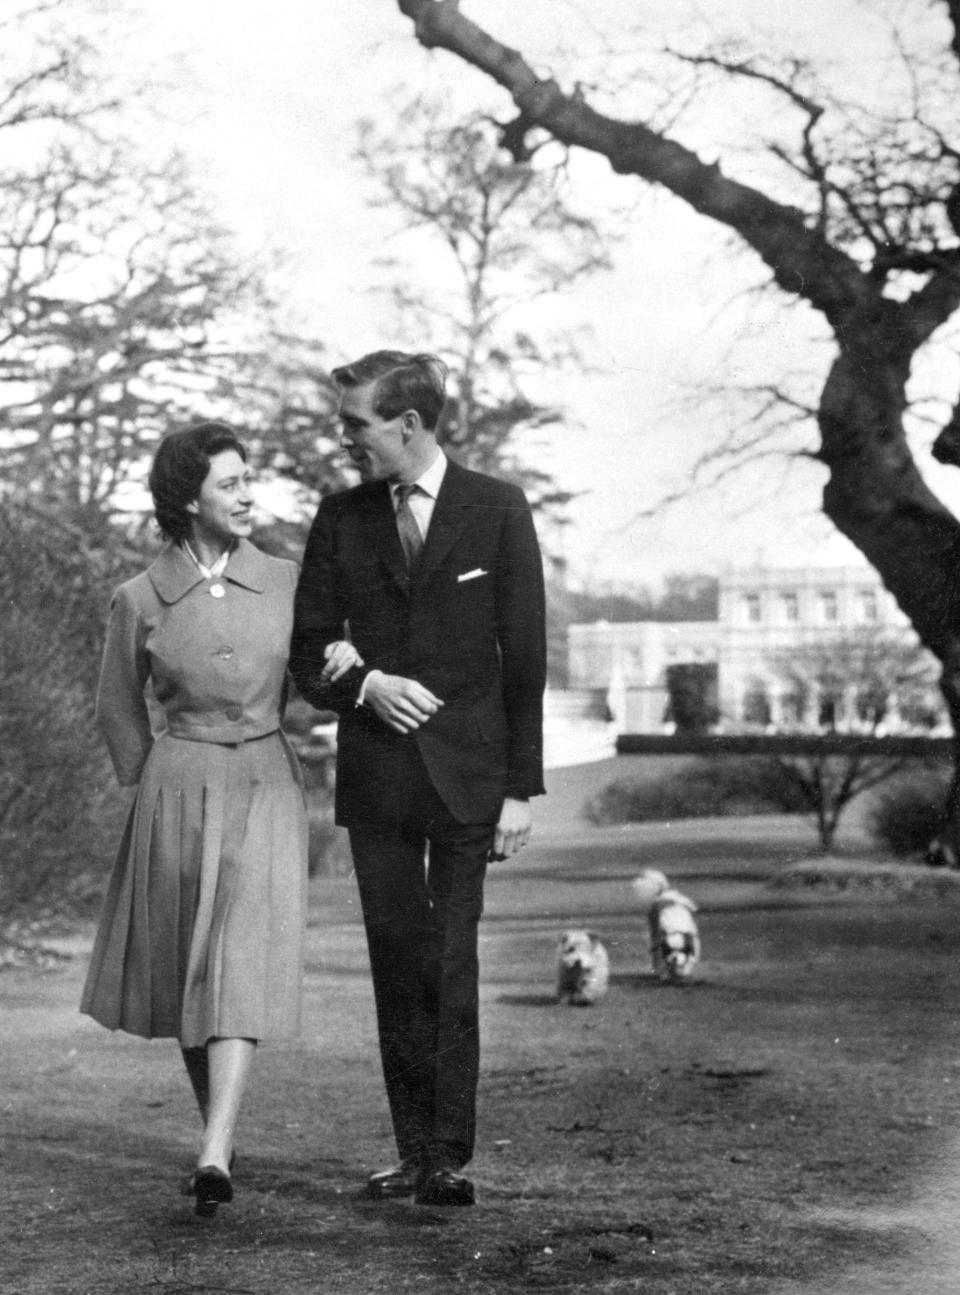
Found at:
[361, 695]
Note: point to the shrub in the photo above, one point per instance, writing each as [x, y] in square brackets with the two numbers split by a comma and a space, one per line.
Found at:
[721, 786]
[328, 850]
[692, 688]
[905, 816]
[61, 812]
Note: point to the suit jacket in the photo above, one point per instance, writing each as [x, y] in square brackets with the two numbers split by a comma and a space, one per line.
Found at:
[218, 665]
[469, 625]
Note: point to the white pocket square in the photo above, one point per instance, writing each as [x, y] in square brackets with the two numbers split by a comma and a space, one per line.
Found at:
[471, 575]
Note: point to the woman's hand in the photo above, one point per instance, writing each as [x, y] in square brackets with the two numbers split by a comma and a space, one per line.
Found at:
[340, 657]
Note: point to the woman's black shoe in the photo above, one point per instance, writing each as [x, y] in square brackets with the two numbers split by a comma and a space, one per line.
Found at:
[211, 1187]
[187, 1183]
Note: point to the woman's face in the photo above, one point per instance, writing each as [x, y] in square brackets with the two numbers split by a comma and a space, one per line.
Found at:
[221, 511]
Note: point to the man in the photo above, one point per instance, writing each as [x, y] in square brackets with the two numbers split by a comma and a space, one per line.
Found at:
[435, 574]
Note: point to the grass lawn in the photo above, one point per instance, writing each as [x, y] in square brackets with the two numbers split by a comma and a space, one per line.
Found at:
[788, 1115]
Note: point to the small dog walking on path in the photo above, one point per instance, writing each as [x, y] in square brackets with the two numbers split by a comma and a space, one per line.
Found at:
[583, 968]
[674, 937]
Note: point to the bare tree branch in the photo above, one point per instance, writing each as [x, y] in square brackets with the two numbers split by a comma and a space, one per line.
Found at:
[800, 260]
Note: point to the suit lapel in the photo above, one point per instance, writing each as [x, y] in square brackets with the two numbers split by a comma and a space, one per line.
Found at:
[450, 514]
[380, 532]
[449, 518]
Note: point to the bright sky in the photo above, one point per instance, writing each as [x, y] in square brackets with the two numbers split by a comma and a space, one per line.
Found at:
[267, 96]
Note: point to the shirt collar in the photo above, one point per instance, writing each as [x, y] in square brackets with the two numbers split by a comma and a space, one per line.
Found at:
[211, 572]
[431, 480]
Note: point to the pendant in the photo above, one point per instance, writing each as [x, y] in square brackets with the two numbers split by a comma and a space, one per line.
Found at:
[217, 590]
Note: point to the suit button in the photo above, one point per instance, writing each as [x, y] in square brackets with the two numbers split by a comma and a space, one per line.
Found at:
[225, 652]
[234, 712]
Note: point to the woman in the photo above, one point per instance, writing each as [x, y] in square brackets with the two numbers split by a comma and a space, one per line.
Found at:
[201, 933]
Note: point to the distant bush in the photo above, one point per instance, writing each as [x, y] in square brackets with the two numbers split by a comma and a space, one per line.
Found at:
[61, 812]
[692, 690]
[905, 816]
[711, 787]
[328, 849]
[300, 717]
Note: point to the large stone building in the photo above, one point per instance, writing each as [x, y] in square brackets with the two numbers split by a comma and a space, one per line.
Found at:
[765, 616]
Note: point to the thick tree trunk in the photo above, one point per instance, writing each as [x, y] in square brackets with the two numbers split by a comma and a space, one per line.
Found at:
[876, 496]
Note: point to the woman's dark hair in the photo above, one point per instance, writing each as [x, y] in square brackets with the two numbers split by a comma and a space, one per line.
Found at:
[180, 467]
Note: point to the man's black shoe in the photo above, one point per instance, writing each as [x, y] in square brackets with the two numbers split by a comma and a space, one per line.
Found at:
[444, 1187]
[401, 1180]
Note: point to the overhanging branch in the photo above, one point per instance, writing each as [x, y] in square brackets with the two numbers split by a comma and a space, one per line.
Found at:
[953, 10]
[803, 262]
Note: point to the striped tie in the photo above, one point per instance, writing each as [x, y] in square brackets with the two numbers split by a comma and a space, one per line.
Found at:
[410, 536]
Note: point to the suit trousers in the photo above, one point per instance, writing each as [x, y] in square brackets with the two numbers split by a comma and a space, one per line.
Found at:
[421, 891]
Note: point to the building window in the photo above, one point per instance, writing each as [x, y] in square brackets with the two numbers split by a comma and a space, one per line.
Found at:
[789, 608]
[867, 607]
[828, 607]
[793, 703]
[828, 710]
[756, 704]
[751, 608]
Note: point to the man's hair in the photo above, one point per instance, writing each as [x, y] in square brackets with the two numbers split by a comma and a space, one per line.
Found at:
[179, 469]
[400, 382]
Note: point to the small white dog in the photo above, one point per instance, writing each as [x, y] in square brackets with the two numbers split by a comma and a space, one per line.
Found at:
[648, 885]
[674, 938]
[583, 968]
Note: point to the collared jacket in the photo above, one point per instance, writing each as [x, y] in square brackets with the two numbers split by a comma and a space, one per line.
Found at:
[217, 665]
[468, 625]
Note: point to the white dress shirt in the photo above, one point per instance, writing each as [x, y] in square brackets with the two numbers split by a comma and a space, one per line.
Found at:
[422, 502]
[423, 499]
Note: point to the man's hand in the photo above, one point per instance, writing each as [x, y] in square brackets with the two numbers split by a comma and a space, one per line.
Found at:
[513, 830]
[402, 704]
[340, 657]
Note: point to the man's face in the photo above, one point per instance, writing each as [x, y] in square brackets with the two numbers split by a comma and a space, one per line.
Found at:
[376, 446]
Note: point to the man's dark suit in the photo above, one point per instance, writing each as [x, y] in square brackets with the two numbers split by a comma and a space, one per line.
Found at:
[469, 626]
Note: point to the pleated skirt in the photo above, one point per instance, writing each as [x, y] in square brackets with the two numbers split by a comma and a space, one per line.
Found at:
[201, 934]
